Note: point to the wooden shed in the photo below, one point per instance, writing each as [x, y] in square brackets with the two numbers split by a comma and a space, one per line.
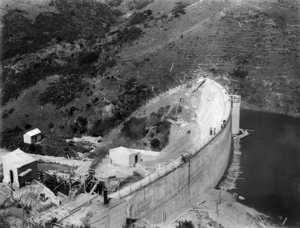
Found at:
[124, 156]
[32, 136]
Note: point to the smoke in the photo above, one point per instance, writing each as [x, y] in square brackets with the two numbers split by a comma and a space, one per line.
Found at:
[112, 140]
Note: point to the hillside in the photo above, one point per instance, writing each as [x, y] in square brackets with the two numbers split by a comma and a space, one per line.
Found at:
[81, 67]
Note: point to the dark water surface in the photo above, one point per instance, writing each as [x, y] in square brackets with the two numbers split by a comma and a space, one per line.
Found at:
[270, 163]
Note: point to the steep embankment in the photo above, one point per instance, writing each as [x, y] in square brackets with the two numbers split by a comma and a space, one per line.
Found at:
[84, 71]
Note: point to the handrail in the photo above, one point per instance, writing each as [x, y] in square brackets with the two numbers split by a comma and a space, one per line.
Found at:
[168, 168]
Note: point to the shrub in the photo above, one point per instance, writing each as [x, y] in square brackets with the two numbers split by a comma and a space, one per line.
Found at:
[89, 58]
[80, 125]
[139, 18]
[129, 99]
[11, 137]
[63, 91]
[51, 125]
[3, 215]
[129, 34]
[179, 8]
[27, 126]
[185, 224]
[239, 72]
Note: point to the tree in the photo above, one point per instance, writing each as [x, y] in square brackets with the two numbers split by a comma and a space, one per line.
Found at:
[185, 224]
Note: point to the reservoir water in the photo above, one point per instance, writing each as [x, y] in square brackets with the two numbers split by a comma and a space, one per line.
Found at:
[270, 163]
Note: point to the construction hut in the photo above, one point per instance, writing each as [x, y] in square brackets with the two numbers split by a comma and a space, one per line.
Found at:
[124, 156]
[19, 167]
[32, 136]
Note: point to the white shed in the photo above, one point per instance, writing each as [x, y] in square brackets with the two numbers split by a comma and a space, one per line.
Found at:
[18, 167]
[32, 136]
[124, 156]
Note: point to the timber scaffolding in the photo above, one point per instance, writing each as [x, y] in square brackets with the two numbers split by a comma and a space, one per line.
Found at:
[234, 170]
[87, 183]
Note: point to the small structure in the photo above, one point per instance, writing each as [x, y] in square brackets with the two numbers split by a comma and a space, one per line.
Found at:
[18, 168]
[235, 113]
[32, 136]
[124, 156]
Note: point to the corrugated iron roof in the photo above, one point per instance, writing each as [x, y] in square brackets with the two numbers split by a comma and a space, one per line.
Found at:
[33, 132]
[17, 158]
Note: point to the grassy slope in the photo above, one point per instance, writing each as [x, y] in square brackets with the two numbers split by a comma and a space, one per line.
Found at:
[251, 48]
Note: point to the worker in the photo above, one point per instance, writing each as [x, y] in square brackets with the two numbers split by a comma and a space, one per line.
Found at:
[211, 131]
[183, 158]
[214, 131]
[42, 176]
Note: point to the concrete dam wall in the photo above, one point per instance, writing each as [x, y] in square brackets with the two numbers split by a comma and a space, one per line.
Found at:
[180, 182]
[178, 187]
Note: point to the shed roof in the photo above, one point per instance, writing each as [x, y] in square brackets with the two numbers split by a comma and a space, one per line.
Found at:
[122, 149]
[33, 132]
[17, 158]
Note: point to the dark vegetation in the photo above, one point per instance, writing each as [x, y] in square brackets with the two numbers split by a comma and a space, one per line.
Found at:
[127, 35]
[21, 36]
[80, 125]
[27, 126]
[11, 137]
[135, 128]
[14, 83]
[88, 58]
[239, 72]
[179, 9]
[3, 221]
[159, 128]
[63, 91]
[105, 65]
[153, 131]
[139, 18]
[138, 4]
[130, 98]
[7, 113]
[159, 135]
[185, 224]
[102, 127]
[53, 147]
[51, 125]
[75, 20]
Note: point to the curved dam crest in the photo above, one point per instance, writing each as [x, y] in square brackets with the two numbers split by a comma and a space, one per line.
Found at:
[178, 183]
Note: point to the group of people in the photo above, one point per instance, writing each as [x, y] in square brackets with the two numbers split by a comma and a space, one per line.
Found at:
[213, 131]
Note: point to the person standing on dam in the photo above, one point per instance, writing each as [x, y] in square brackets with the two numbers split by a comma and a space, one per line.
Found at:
[210, 131]
[183, 158]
